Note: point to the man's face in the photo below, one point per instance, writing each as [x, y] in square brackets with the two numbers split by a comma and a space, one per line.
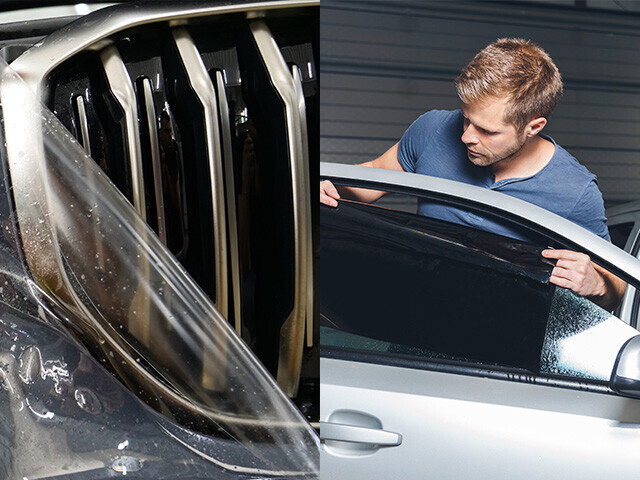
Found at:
[488, 139]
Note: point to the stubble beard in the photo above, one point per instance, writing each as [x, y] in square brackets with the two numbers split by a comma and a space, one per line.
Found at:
[488, 160]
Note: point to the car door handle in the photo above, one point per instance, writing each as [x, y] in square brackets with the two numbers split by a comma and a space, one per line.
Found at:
[353, 434]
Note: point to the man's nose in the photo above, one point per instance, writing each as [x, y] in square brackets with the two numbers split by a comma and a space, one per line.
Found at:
[469, 135]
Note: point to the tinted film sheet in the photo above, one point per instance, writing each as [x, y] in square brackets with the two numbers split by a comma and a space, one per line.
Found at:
[432, 285]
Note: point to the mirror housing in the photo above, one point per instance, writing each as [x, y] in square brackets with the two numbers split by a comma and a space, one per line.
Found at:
[625, 379]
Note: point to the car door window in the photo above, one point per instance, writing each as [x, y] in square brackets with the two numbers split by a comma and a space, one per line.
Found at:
[579, 338]
[620, 233]
[398, 287]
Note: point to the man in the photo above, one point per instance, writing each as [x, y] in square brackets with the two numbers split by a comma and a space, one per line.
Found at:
[508, 92]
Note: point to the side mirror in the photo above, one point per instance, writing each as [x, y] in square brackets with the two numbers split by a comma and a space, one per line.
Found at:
[625, 378]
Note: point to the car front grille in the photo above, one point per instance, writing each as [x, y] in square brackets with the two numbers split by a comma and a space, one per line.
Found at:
[206, 118]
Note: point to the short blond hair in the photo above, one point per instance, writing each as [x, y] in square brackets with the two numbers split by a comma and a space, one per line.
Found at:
[518, 69]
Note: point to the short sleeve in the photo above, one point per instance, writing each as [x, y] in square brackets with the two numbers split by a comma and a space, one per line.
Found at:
[416, 138]
[589, 211]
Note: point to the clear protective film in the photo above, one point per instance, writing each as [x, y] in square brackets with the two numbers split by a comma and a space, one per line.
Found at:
[86, 260]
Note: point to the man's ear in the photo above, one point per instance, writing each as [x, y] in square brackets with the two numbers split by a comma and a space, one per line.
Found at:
[535, 126]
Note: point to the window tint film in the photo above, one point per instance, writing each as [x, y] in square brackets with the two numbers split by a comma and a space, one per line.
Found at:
[432, 288]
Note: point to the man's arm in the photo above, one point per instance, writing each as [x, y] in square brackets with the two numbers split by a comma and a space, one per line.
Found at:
[579, 274]
[329, 194]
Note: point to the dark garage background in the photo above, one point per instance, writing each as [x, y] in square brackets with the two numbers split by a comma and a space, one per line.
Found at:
[385, 63]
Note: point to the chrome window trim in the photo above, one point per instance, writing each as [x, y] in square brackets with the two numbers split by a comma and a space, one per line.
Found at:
[203, 87]
[122, 89]
[629, 300]
[292, 332]
[531, 216]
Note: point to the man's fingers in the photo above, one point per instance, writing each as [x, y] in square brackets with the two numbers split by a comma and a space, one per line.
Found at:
[577, 276]
[325, 199]
[328, 193]
[565, 255]
[566, 273]
[560, 281]
[579, 266]
[329, 189]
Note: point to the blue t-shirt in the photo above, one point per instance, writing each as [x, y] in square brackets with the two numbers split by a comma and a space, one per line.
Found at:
[432, 146]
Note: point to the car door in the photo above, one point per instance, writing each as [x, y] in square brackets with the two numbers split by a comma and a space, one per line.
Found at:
[468, 363]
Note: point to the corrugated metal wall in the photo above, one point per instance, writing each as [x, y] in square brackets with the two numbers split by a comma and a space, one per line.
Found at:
[385, 63]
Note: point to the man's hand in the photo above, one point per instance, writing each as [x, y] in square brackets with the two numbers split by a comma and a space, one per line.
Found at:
[575, 271]
[328, 194]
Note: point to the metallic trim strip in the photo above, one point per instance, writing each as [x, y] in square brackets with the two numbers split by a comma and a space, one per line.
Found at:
[122, 89]
[84, 124]
[92, 32]
[147, 92]
[531, 216]
[86, 145]
[304, 162]
[203, 88]
[232, 224]
[292, 332]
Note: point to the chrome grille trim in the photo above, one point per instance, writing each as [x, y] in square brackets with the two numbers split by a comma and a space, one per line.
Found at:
[302, 111]
[122, 89]
[203, 88]
[292, 332]
[83, 126]
[91, 33]
[85, 141]
[147, 92]
[229, 182]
